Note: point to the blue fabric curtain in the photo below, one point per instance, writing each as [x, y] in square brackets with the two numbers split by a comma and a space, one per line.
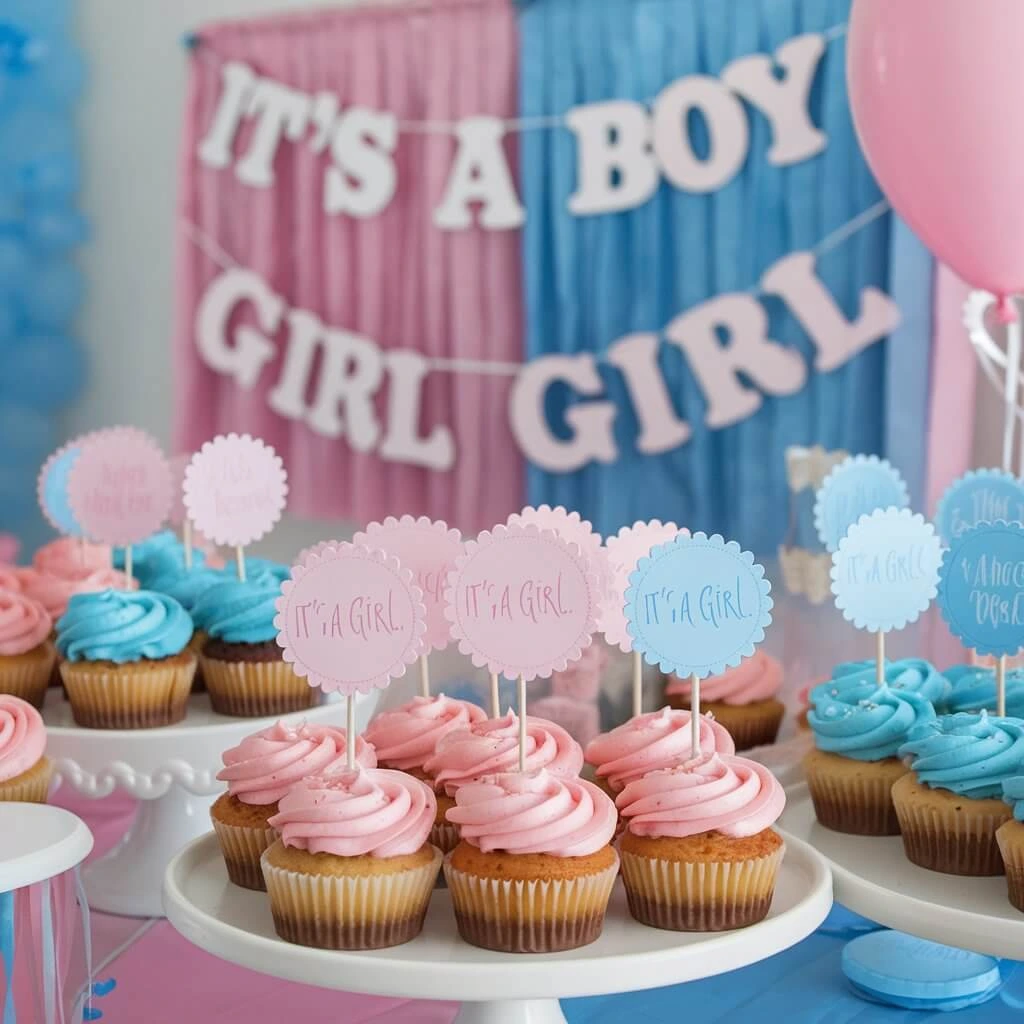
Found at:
[590, 280]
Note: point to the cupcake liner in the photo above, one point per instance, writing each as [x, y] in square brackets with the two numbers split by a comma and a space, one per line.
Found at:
[700, 896]
[255, 689]
[954, 838]
[858, 805]
[749, 729]
[530, 916]
[444, 836]
[139, 695]
[28, 676]
[242, 847]
[195, 645]
[350, 911]
[1010, 837]
[31, 787]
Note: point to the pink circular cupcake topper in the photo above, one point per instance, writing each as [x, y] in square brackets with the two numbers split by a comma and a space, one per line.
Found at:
[119, 487]
[350, 619]
[522, 601]
[625, 549]
[429, 549]
[235, 489]
[177, 513]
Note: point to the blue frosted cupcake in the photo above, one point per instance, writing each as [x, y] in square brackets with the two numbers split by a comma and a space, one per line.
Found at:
[853, 681]
[126, 661]
[1010, 837]
[950, 805]
[159, 554]
[854, 765]
[243, 666]
[973, 689]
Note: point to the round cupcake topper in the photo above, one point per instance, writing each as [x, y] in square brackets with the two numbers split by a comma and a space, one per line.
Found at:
[981, 496]
[177, 514]
[886, 570]
[981, 588]
[429, 549]
[625, 549]
[697, 605]
[522, 601]
[350, 619]
[235, 489]
[119, 487]
[52, 488]
[858, 486]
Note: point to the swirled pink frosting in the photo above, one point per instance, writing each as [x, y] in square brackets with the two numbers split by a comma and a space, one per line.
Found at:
[534, 812]
[492, 747]
[406, 737]
[648, 743]
[265, 765]
[372, 812]
[68, 556]
[758, 677]
[54, 592]
[22, 736]
[10, 578]
[732, 795]
[24, 623]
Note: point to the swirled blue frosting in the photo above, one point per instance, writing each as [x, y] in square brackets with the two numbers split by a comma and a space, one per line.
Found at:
[122, 626]
[1013, 794]
[972, 755]
[239, 613]
[159, 554]
[872, 729]
[259, 567]
[854, 681]
[186, 587]
[974, 689]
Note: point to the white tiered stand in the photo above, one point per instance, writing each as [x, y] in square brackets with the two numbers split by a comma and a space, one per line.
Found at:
[172, 772]
[873, 877]
[235, 924]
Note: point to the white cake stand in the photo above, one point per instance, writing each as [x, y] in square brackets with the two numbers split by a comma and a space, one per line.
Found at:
[873, 877]
[172, 772]
[39, 842]
[496, 988]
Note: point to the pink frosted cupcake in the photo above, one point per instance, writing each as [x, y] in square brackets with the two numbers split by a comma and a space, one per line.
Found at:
[259, 772]
[491, 747]
[743, 699]
[699, 853]
[10, 579]
[68, 556]
[26, 653]
[353, 868]
[535, 869]
[25, 772]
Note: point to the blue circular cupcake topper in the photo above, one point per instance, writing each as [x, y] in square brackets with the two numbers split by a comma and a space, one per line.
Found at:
[857, 487]
[982, 496]
[886, 570]
[981, 589]
[53, 491]
[697, 605]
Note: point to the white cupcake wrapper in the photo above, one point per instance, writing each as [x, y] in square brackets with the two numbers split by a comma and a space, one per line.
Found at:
[243, 846]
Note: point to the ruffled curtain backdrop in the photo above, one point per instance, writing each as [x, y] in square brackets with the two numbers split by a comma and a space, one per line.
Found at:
[394, 278]
[589, 281]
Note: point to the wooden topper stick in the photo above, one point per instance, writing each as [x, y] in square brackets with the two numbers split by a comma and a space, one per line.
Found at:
[522, 724]
[128, 563]
[495, 696]
[638, 684]
[350, 732]
[424, 676]
[186, 537]
[880, 658]
[695, 716]
[1001, 686]
[240, 560]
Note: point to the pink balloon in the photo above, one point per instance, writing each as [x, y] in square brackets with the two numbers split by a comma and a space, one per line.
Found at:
[935, 87]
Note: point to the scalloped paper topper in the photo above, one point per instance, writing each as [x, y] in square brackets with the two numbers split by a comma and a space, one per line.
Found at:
[177, 513]
[886, 570]
[981, 588]
[429, 549]
[522, 601]
[980, 496]
[625, 549]
[350, 619]
[858, 486]
[52, 488]
[235, 489]
[697, 605]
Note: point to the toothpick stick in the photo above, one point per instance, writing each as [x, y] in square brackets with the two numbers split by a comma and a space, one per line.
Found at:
[186, 536]
[81, 551]
[240, 559]
[424, 676]
[880, 658]
[128, 563]
[694, 716]
[638, 684]
[522, 724]
[1001, 686]
[495, 696]
[350, 732]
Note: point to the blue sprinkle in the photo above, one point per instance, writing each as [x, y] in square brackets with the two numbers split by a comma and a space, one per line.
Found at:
[104, 988]
[91, 1013]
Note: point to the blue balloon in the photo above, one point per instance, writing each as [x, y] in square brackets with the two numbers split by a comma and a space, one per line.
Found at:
[37, 155]
[40, 16]
[18, 504]
[8, 319]
[28, 435]
[14, 259]
[44, 371]
[52, 228]
[54, 492]
[52, 294]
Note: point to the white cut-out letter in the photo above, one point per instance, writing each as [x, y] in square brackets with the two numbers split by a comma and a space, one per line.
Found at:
[282, 112]
[236, 81]
[363, 179]
[402, 443]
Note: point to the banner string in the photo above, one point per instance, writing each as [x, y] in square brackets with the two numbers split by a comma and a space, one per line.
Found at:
[223, 259]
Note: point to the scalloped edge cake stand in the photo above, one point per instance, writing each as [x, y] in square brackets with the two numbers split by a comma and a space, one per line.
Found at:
[497, 988]
[873, 877]
[171, 772]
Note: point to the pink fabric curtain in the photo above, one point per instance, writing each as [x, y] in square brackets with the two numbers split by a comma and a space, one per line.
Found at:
[394, 278]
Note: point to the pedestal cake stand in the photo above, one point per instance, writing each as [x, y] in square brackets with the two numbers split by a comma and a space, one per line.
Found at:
[873, 877]
[172, 772]
[496, 988]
